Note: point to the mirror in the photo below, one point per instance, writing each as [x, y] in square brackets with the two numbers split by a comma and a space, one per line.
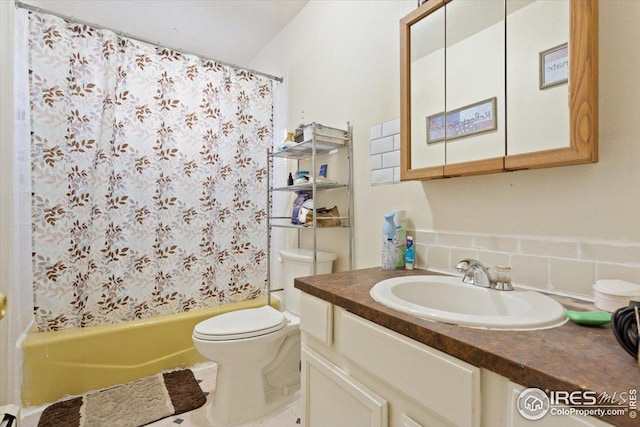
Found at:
[474, 81]
[427, 92]
[537, 31]
[502, 104]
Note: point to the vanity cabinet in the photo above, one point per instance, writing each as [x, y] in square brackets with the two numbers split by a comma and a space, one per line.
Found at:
[359, 374]
[366, 375]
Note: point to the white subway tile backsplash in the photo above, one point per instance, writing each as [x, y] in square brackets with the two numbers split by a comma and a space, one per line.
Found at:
[391, 127]
[376, 161]
[423, 236]
[381, 145]
[381, 176]
[376, 132]
[391, 159]
[420, 255]
[437, 257]
[491, 259]
[565, 265]
[550, 248]
[385, 152]
[572, 277]
[496, 243]
[396, 142]
[458, 254]
[396, 174]
[617, 271]
[611, 253]
[530, 271]
[449, 239]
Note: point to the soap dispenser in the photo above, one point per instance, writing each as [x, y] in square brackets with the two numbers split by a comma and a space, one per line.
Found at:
[388, 244]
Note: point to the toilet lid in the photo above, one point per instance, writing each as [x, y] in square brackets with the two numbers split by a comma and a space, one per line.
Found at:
[240, 324]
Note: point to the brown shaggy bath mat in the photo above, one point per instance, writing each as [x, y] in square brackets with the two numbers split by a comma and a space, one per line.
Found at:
[129, 405]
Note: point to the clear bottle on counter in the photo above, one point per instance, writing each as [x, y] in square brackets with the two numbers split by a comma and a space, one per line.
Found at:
[388, 243]
[401, 238]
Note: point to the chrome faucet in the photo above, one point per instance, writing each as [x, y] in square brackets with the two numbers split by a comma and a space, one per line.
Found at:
[475, 273]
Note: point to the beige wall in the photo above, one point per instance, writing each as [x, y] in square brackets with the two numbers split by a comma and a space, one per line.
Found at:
[341, 62]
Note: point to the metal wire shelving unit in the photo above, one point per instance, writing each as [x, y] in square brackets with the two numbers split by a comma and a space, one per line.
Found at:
[320, 140]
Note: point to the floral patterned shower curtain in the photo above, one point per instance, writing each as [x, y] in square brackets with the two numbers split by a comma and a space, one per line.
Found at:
[149, 178]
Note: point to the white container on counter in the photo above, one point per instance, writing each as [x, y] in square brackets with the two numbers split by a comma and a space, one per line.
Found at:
[610, 295]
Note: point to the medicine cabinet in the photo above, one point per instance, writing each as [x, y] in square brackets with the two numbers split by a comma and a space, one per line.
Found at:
[498, 85]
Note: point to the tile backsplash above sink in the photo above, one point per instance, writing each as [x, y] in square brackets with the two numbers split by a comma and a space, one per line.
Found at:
[563, 265]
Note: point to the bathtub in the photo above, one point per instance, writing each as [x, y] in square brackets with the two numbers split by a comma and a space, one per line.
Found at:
[71, 362]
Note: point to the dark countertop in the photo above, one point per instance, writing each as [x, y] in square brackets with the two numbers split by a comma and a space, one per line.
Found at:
[567, 358]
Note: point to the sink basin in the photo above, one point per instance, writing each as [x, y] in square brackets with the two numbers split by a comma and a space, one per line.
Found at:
[447, 299]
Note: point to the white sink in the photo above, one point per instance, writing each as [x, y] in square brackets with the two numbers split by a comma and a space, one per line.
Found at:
[447, 299]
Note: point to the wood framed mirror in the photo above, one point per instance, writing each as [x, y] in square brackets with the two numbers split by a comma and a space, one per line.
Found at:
[516, 53]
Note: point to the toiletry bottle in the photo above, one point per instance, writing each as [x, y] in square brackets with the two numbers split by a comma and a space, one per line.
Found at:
[388, 245]
[290, 179]
[410, 254]
[400, 238]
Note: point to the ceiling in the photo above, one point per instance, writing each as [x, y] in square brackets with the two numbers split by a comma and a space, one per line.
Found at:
[233, 31]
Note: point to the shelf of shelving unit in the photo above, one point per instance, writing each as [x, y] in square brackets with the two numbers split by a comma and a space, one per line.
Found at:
[304, 150]
[319, 140]
[304, 227]
[309, 187]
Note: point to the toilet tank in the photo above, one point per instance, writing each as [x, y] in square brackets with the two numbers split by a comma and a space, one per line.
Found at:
[299, 263]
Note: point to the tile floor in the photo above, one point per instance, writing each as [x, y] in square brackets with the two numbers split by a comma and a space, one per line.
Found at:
[206, 376]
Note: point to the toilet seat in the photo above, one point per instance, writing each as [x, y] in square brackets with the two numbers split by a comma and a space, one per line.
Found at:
[241, 324]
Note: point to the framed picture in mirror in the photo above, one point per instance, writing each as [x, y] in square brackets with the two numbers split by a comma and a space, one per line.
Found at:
[554, 66]
[471, 119]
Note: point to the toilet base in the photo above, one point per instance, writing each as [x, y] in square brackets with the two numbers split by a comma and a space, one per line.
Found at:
[218, 416]
[245, 392]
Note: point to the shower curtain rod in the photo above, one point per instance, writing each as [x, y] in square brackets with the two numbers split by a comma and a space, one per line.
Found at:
[27, 6]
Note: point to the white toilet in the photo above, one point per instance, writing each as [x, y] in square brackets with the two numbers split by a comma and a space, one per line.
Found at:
[258, 349]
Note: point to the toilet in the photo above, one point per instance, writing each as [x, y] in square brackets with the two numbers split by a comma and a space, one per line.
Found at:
[258, 349]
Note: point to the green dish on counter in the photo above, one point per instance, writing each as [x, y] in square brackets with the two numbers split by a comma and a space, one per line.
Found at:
[591, 318]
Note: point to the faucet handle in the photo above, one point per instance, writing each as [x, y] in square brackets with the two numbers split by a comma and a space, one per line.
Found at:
[463, 265]
[503, 278]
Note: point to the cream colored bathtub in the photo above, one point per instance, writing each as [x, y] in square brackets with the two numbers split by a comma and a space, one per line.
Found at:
[71, 362]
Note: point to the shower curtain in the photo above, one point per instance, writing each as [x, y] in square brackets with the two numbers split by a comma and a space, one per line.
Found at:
[149, 176]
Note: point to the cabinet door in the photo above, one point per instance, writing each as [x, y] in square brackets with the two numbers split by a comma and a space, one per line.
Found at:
[331, 398]
[427, 68]
[316, 318]
[442, 384]
[537, 75]
[475, 80]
